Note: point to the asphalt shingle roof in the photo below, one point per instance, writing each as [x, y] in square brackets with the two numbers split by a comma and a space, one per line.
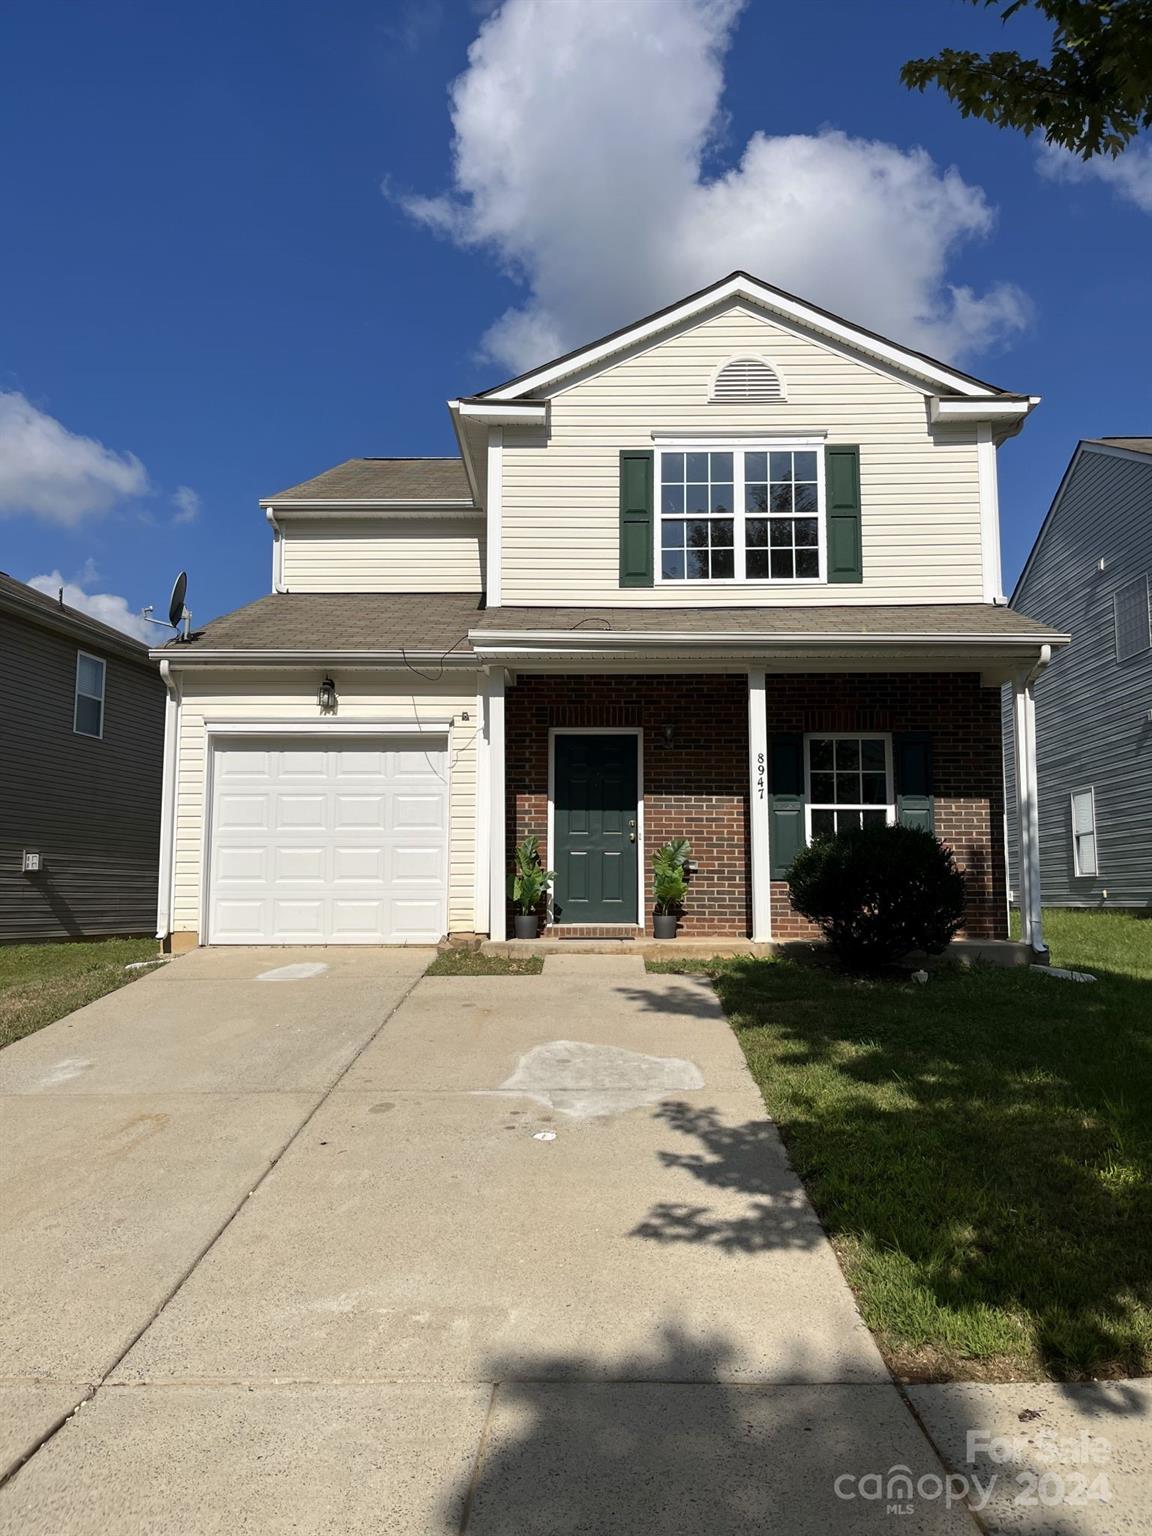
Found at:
[1136, 444]
[777, 619]
[19, 593]
[344, 621]
[384, 480]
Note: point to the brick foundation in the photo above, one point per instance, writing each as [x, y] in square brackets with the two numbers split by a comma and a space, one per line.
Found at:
[697, 787]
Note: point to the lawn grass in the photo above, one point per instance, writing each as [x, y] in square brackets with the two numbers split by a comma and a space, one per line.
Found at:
[472, 962]
[979, 1148]
[40, 983]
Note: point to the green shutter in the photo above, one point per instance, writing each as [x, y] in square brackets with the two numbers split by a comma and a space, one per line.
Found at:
[785, 802]
[842, 496]
[636, 517]
[912, 762]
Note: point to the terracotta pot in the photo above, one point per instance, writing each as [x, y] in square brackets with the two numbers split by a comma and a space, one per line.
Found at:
[526, 924]
[664, 925]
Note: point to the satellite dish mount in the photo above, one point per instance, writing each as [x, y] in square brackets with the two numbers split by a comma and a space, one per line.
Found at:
[177, 612]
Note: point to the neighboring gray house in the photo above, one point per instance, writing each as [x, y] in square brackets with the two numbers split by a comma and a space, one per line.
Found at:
[81, 759]
[1090, 573]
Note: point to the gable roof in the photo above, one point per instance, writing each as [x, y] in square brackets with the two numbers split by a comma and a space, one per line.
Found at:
[398, 481]
[19, 598]
[743, 285]
[1134, 445]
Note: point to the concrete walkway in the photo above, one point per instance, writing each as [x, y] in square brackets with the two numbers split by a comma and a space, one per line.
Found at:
[343, 1250]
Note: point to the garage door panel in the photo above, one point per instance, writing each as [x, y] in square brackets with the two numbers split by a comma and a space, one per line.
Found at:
[325, 843]
[359, 866]
[302, 864]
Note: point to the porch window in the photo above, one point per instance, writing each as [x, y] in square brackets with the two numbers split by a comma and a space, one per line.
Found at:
[748, 514]
[849, 783]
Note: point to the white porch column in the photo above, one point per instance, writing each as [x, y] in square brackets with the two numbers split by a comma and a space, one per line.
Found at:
[497, 831]
[1027, 813]
[758, 808]
[483, 853]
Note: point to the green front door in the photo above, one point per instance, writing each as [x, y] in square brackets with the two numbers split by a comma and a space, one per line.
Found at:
[595, 829]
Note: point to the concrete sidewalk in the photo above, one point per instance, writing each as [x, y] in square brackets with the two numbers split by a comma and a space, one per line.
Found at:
[521, 1255]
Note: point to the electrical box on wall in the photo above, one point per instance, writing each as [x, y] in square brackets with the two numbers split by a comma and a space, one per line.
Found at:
[30, 862]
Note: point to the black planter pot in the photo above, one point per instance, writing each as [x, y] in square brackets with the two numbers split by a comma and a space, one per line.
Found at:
[526, 924]
[664, 925]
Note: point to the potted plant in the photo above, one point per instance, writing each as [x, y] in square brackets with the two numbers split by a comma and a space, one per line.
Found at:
[669, 886]
[530, 882]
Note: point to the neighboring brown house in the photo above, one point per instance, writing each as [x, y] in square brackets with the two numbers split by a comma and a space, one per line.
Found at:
[81, 753]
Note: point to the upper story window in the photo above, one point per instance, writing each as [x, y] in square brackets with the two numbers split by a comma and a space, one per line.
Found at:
[1133, 614]
[746, 514]
[88, 719]
[747, 379]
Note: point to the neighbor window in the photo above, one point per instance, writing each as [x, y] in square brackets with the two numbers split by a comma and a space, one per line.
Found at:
[89, 716]
[849, 783]
[741, 514]
[1132, 609]
[1084, 831]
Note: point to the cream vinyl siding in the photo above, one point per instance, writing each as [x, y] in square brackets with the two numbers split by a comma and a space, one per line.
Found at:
[409, 554]
[254, 696]
[919, 484]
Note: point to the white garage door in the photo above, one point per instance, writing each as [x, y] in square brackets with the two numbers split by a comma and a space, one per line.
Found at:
[329, 844]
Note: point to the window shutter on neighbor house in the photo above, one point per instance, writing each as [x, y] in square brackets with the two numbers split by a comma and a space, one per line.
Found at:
[636, 535]
[786, 801]
[912, 763]
[842, 499]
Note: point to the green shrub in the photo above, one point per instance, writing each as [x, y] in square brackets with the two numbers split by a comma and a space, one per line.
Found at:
[878, 892]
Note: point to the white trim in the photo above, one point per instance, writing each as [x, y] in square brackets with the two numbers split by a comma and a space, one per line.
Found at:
[1081, 874]
[989, 515]
[181, 656]
[218, 732]
[101, 697]
[601, 730]
[747, 357]
[280, 504]
[739, 515]
[889, 807]
[507, 415]
[498, 642]
[740, 285]
[483, 849]
[497, 811]
[165, 885]
[321, 727]
[331, 512]
[495, 533]
[988, 409]
[758, 820]
[1027, 808]
[803, 437]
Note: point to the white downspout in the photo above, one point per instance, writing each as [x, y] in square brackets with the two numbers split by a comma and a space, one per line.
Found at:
[277, 551]
[1028, 804]
[497, 832]
[168, 801]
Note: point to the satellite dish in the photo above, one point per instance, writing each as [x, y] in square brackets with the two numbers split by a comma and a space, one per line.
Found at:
[176, 601]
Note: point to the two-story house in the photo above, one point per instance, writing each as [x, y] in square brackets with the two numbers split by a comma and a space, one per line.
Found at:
[1090, 572]
[731, 573]
[81, 747]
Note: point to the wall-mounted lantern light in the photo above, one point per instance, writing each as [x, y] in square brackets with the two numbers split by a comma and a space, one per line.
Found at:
[326, 697]
[669, 736]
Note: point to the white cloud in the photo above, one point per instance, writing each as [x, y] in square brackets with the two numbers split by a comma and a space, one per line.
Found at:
[105, 606]
[187, 504]
[581, 133]
[1129, 175]
[49, 472]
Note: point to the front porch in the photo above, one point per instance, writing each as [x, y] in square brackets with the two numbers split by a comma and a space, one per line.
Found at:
[604, 768]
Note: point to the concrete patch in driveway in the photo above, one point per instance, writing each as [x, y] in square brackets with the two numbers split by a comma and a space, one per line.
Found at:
[104, 1203]
[421, 1242]
[582, 1080]
[342, 962]
[194, 1461]
[28, 1411]
[1069, 1458]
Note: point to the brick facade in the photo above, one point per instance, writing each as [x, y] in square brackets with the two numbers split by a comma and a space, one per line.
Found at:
[696, 776]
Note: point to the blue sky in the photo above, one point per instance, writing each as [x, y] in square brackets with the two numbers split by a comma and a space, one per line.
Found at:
[216, 261]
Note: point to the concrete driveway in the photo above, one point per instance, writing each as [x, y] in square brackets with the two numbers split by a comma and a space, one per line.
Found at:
[342, 1249]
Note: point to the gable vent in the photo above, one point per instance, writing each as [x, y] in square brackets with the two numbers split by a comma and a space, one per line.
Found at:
[747, 378]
